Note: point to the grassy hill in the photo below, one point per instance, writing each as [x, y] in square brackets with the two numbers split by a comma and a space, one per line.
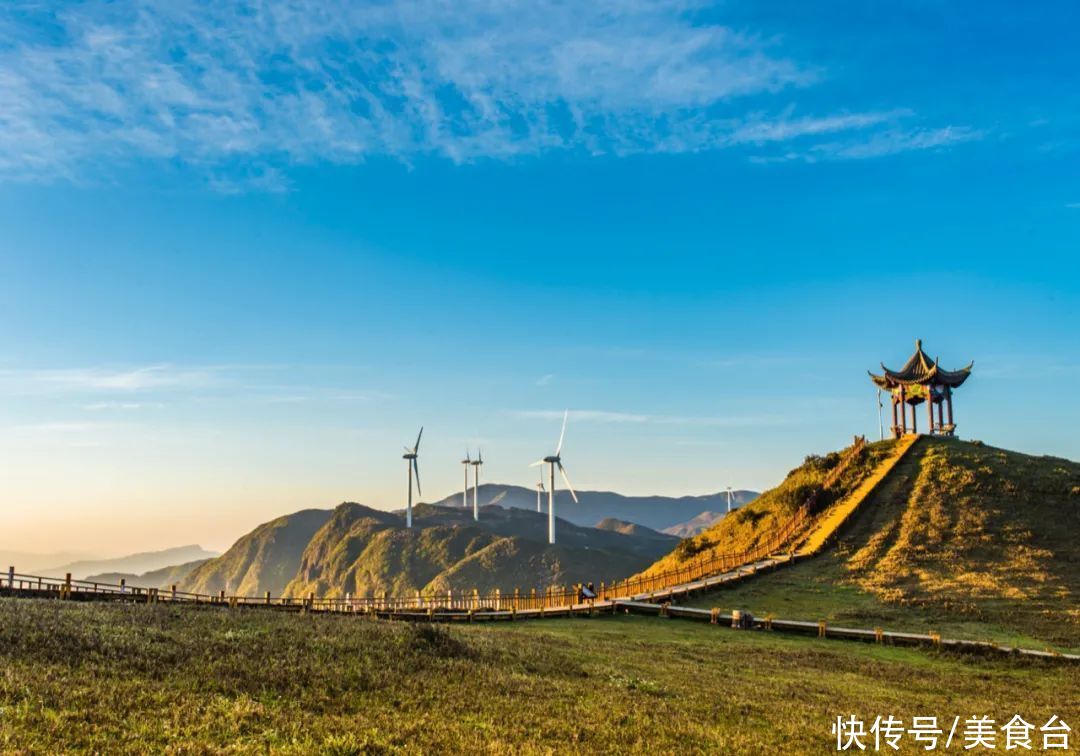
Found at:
[363, 551]
[266, 559]
[163, 578]
[656, 512]
[961, 537]
[101, 678]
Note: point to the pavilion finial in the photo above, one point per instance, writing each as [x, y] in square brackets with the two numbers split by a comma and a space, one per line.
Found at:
[918, 344]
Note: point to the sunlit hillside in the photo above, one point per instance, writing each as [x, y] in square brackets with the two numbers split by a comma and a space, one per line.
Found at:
[958, 532]
[365, 552]
[753, 523]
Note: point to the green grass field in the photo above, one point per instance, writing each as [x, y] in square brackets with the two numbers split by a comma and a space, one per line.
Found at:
[817, 589]
[136, 678]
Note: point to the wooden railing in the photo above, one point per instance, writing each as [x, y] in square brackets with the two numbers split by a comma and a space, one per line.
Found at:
[13, 583]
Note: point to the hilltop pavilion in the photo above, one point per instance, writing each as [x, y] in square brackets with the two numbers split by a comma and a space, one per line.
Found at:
[921, 380]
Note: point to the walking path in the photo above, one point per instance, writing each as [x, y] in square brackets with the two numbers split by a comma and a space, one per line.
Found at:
[833, 518]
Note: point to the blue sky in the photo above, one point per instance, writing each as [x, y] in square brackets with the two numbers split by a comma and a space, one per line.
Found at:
[247, 249]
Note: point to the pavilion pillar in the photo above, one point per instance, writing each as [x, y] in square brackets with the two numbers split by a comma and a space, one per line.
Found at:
[940, 413]
[948, 398]
[930, 410]
[914, 419]
[895, 419]
[903, 411]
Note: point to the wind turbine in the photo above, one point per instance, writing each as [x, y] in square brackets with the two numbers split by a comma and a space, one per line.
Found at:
[410, 456]
[476, 463]
[555, 460]
[729, 499]
[539, 491]
[465, 493]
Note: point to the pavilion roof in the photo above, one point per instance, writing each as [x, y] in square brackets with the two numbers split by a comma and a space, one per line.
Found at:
[920, 370]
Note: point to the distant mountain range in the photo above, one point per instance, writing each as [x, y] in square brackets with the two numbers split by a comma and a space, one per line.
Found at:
[163, 578]
[696, 525]
[31, 563]
[656, 512]
[134, 564]
[358, 550]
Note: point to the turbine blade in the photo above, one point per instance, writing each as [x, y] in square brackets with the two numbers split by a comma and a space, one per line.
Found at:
[418, 435]
[567, 481]
[537, 463]
[416, 471]
[562, 435]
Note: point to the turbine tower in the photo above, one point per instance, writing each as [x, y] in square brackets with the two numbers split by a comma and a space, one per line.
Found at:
[553, 461]
[465, 493]
[729, 499]
[410, 456]
[476, 464]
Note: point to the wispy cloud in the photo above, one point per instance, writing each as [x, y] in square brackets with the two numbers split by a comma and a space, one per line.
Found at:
[122, 406]
[242, 90]
[545, 380]
[603, 416]
[90, 380]
[81, 435]
[880, 144]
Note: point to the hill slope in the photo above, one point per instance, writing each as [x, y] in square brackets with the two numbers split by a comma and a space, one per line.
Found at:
[364, 551]
[265, 559]
[656, 512]
[978, 530]
[958, 533]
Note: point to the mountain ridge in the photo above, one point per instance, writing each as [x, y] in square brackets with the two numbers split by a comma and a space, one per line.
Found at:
[655, 512]
[136, 564]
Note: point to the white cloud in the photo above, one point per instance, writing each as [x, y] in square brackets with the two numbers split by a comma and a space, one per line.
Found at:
[602, 416]
[108, 380]
[545, 380]
[242, 89]
[880, 144]
[125, 406]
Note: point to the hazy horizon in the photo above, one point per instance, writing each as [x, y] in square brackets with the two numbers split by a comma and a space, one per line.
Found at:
[246, 251]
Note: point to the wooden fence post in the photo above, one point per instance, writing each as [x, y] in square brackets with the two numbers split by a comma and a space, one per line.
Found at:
[11, 578]
[123, 586]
